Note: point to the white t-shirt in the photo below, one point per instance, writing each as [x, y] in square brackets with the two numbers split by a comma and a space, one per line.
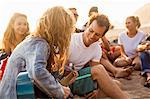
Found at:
[80, 54]
[130, 44]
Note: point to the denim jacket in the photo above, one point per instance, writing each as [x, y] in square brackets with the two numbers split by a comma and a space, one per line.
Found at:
[31, 54]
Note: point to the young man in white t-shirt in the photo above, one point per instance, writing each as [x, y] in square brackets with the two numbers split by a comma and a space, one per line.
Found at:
[82, 50]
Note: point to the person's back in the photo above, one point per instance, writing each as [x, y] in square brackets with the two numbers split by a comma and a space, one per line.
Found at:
[19, 61]
[38, 55]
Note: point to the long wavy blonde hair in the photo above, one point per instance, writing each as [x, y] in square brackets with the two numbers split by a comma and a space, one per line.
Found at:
[55, 26]
[9, 38]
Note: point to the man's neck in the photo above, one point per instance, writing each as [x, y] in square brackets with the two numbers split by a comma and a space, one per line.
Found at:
[84, 40]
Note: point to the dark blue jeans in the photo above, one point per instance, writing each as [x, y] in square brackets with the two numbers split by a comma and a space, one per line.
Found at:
[145, 58]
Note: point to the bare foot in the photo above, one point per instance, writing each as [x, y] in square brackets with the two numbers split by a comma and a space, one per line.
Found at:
[120, 73]
[120, 62]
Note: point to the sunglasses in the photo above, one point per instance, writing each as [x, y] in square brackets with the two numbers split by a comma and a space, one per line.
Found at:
[76, 15]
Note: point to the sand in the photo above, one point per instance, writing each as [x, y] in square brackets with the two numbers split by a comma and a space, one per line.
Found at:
[135, 87]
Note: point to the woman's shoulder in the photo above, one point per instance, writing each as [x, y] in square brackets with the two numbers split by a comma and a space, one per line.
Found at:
[35, 40]
[141, 34]
[32, 42]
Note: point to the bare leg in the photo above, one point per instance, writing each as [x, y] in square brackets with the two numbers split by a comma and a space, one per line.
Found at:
[116, 53]
[117, 72]
[99, 93]
[108, 66]
[121, 62]
[137, 63]
[118, 83]
[106, 84]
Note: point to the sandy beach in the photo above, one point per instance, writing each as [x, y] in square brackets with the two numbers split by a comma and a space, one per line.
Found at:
[135, 86]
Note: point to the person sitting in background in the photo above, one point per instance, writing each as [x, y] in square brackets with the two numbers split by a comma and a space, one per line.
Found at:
[110, 51]
[129, 40]
[93, 10]
[16, 31]
[43, 53]
[144, 48]
[75, 13]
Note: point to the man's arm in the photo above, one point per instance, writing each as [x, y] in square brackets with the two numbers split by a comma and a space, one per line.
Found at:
[106, 43]
[92, 63]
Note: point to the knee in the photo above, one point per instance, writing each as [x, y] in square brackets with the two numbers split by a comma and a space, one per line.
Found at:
[117, 48]
[96, 70]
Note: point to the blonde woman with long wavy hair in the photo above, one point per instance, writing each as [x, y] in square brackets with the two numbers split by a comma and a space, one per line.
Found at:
[43, 53]
[16, 31]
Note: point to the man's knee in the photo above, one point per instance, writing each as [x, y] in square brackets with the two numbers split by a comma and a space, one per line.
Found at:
[96, 70]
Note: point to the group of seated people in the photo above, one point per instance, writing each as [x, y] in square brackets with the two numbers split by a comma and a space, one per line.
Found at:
[61, 62]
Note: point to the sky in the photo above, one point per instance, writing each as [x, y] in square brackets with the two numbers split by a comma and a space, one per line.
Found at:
[116, 10]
